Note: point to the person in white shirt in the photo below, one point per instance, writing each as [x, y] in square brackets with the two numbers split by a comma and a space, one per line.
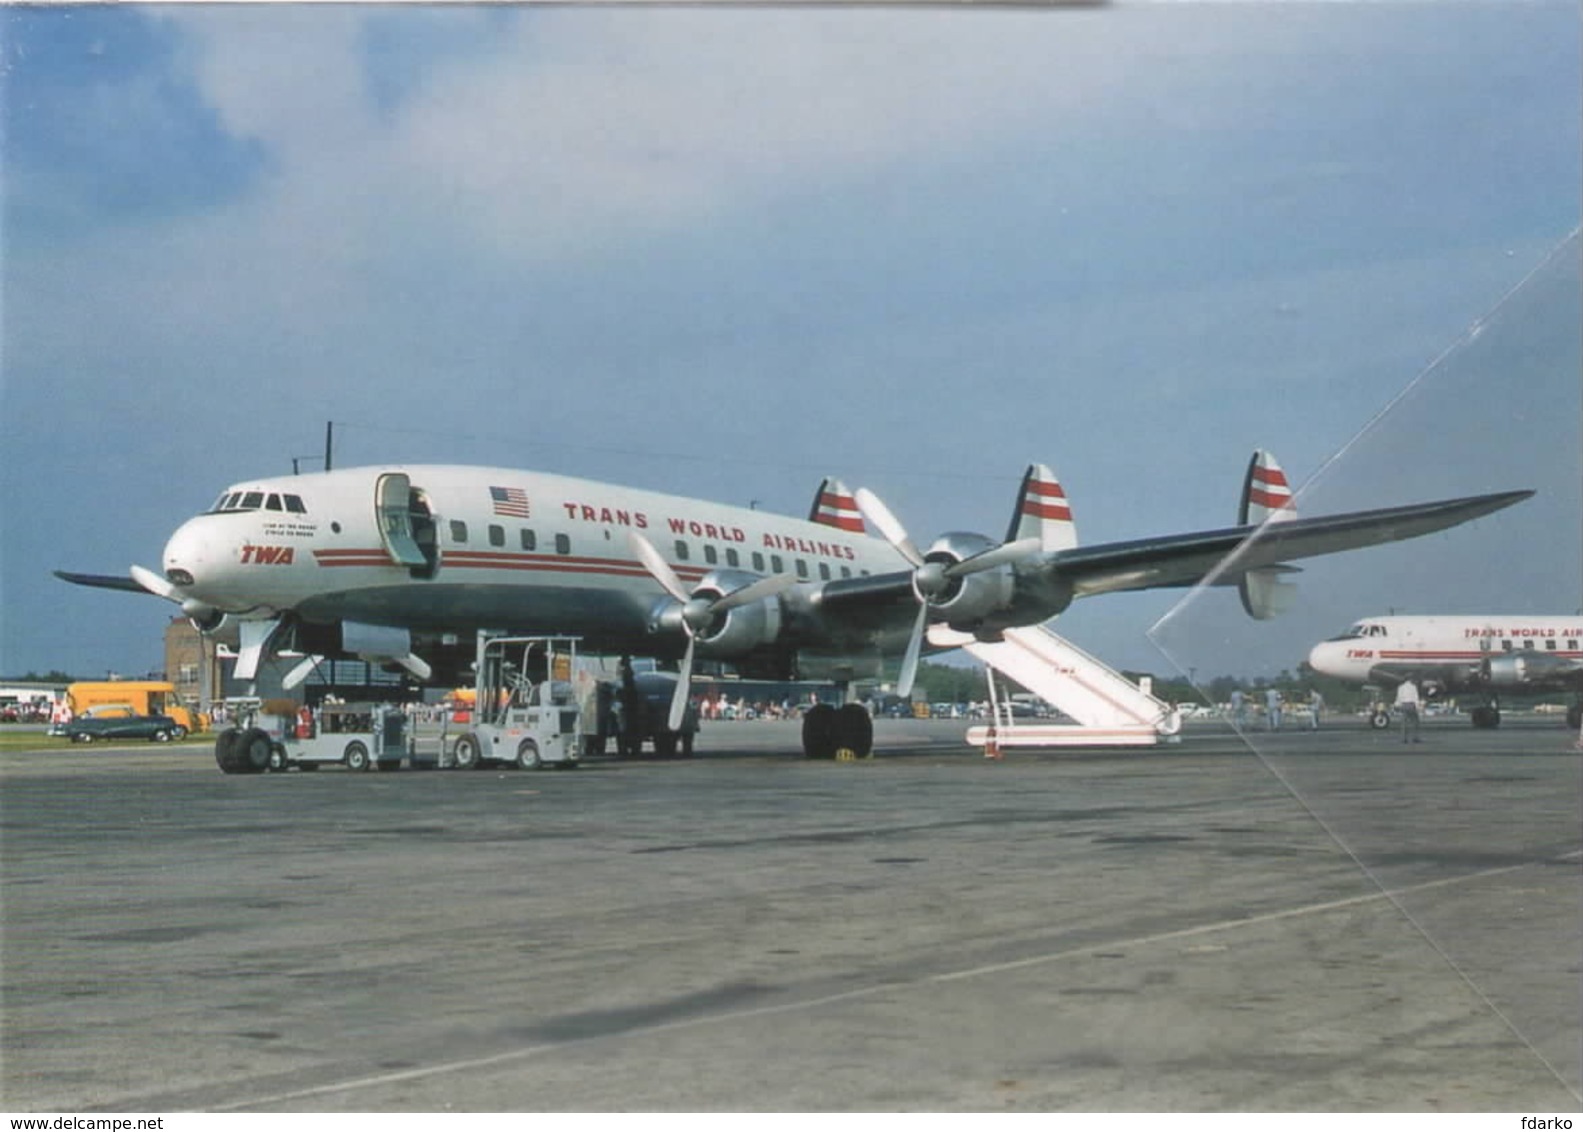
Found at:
[1407, 708]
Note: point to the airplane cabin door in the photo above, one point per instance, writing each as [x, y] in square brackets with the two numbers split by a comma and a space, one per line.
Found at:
[393, 512]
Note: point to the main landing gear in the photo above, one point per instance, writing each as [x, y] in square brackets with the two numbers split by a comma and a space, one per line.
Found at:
[845, 733]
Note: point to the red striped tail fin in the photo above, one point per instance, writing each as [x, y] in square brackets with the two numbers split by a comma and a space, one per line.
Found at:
[1043, 511]
[1265, 492]
[1266, 497]
[834, 506]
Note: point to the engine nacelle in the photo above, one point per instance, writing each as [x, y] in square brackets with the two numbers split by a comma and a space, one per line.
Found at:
[734, 632]
[969, 601]
[1524, 669]
[210, 622]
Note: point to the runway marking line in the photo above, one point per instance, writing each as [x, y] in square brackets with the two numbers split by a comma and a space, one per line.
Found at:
[523, 1053]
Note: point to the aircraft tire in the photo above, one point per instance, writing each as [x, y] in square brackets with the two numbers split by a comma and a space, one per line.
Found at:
[1575, 717]
[254, 749]
[854, 731]
[1380, 720]
[224, 751]
[818, 732]
[1485, 718]
[468, 752]
[355, 756]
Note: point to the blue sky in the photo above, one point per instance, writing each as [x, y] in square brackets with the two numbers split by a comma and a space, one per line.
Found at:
[725, 253]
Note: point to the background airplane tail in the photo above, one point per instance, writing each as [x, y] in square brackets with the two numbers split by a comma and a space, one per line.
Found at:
[1042, 511]
[1266, 497]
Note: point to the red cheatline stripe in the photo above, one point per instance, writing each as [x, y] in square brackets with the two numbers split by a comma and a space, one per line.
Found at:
[485, 560]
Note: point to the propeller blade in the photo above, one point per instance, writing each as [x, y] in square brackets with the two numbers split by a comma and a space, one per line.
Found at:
[994, 556]
[657, 566]
[155, 584]
[300, 673]
[909, 662]
[887, 525]
[747, 595]
[684, 683]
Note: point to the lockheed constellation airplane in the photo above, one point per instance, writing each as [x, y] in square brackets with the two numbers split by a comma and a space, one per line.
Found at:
[1486, 655]
[401, 564]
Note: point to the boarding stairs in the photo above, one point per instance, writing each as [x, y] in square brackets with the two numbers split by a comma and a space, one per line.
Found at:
[1109, 709]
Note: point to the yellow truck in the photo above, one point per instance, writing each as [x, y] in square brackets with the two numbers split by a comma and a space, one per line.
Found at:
[144, 697]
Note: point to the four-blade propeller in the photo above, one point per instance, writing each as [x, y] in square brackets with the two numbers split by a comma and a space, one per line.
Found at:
[697, 612]
[931, 578]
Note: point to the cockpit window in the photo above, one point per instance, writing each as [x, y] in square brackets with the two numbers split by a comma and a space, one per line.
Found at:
[1361, 630]
[257, 500]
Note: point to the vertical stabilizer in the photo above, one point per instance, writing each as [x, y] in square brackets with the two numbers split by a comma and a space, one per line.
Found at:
[1265, 492]
[834, 506]
[1042, 511]
[1266, 497]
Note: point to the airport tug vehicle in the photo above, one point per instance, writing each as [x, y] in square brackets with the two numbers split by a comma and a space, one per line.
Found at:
[529, 707]
[277, 735]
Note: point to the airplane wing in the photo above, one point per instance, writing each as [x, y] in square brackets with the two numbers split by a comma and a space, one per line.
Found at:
[1184, 560]
[1199, 557]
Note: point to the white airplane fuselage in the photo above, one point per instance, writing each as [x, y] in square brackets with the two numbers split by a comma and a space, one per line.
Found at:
[505, 550]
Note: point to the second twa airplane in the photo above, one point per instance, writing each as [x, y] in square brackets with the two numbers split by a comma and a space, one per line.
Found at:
[401, 564]
[1487, 655]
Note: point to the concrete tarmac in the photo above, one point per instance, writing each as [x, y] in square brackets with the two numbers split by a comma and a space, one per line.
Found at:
[1317, 922]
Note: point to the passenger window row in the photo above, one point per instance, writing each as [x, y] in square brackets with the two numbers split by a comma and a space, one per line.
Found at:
[497, 537]
[776, 564]
[760, 564]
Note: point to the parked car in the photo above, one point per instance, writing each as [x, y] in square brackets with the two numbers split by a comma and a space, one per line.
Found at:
[119, 723]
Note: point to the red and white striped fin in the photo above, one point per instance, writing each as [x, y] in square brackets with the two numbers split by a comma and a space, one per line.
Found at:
[834, 506]
[1266, 497]
[1042, 511]
[1265, 493]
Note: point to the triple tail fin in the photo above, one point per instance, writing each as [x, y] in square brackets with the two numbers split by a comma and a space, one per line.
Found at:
[1042, 511]
[1266, 497]
[834, 506]
[1265, 492]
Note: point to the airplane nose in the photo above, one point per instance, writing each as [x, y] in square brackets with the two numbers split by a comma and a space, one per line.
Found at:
[186, 554]
[1322, 656]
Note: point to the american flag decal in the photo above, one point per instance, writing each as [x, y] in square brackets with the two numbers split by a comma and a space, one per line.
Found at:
[511, 502]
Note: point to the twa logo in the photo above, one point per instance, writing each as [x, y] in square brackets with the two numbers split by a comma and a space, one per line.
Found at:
[268, 555]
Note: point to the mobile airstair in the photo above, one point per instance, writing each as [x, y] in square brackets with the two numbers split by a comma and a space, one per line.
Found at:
[1108, 709]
